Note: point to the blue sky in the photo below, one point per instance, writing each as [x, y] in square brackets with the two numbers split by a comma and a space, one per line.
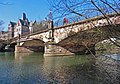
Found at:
[34, 9]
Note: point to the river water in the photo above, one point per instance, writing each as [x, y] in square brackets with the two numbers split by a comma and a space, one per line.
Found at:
[26, 68]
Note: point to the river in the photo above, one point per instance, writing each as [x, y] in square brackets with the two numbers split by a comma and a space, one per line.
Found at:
[26, 68]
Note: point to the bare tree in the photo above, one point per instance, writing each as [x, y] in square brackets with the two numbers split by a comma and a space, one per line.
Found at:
[86, 9]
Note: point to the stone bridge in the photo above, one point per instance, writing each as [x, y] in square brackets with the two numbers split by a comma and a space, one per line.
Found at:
[75, 38]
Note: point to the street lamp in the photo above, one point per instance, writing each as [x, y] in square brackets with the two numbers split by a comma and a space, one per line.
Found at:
[52, 28]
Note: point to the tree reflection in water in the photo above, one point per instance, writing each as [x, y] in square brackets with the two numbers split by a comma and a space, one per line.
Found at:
[81, 70]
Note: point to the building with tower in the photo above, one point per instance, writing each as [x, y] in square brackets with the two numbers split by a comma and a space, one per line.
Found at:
[11, 30]
[24, 27]
[19, 28]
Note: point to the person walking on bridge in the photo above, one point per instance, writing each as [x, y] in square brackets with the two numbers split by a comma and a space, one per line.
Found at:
[65, 21]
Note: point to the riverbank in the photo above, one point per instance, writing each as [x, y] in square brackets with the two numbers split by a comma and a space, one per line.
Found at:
[2, 46]
[107, 47]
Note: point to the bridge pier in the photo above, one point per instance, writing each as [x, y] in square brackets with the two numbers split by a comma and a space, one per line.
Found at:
[52, 49]
[22, 49]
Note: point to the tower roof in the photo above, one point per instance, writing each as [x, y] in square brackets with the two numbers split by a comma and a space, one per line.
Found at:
[24, 16]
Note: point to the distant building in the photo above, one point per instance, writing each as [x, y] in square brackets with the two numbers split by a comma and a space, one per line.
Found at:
[3, 35]
[21, 27]
[24, 27]
[38, 26]
[32, 27]
[11, 27]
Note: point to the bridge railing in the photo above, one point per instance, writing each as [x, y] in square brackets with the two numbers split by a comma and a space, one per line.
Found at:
[74, 21]
[111, 18]
[60, 22]
[66, 30]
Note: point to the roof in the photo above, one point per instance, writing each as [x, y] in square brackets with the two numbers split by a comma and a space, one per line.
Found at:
[12, 24]
[24, 22]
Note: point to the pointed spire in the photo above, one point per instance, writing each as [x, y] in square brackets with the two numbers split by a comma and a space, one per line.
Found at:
[24, 16]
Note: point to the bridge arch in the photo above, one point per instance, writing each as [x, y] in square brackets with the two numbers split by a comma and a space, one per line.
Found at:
[83, 42]
[30, 45]
[33, 42]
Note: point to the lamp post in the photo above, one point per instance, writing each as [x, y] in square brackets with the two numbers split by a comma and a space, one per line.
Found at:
[51, 26]
[52, 29]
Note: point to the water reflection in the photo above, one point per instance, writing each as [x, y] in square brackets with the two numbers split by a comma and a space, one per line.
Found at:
[70, 70]
[24, 69]
[21, 56]
[33, 68]
[108, 69]
[6, 56]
